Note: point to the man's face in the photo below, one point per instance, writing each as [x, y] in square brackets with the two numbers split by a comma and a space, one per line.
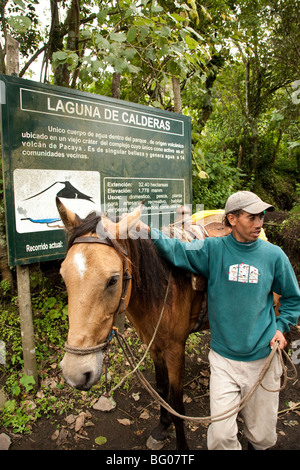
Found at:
[246, 227]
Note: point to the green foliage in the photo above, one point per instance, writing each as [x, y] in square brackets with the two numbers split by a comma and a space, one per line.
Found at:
[49, 306]
[26, 405]
[13, 417]
[5, 287]
[222, 180]
[236, 61]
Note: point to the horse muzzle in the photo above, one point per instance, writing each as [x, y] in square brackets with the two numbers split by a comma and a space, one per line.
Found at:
[84, 371]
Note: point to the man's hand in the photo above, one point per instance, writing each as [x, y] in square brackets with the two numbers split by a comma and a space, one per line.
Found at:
[141, 227]
[280, 338]
[139, 230]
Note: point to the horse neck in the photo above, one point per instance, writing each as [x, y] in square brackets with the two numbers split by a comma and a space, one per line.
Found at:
[149, 275]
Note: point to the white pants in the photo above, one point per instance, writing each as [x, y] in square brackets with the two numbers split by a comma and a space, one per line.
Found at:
[230, 381]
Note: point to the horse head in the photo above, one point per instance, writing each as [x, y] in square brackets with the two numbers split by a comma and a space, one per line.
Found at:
[93, 271]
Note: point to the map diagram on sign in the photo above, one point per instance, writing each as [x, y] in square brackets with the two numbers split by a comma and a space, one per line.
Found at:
[35, 194]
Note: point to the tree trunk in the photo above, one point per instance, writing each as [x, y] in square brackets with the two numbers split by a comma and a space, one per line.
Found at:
[116, 86]
[72, 24]
[6, 273]
[2, 49]
[240, 157]
[177, 95]
[12, 57]
[276, 148]
[254, 140]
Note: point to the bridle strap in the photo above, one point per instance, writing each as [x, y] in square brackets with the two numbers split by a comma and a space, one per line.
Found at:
[122, 304]
[102, 241]
[85, 351]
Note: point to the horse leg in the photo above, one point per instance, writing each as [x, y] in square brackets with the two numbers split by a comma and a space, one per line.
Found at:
[170, 377]
[176, 378]
[160, 432]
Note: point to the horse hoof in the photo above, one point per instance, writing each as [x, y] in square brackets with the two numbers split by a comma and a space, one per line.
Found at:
[153, 444]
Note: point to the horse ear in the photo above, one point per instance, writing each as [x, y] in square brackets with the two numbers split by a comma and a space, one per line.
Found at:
[69, 218]
[127, 223]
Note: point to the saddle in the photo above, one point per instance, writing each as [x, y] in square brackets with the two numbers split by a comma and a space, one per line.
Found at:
[185, 229]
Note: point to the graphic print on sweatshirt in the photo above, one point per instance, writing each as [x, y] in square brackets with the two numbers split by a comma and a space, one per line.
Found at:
[243, 273]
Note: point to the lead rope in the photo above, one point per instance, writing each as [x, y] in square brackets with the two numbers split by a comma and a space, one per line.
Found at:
[127, 348]
[227, 414]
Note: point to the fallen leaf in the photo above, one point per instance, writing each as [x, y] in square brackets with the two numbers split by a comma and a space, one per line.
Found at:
[124, 421]
[89, 424]
[5, 441]
[145, 415]
[293, 404]
[70, 419]
[193, 428]
[205, 373]
[79, 422]
[63, 435]
[105, 404]
[136, 396]
[291, 422]
[186, 399]
[100, 440]
[79, 436]
[55, 435]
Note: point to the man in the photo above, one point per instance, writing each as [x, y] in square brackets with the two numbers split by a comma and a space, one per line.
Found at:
[243, 271]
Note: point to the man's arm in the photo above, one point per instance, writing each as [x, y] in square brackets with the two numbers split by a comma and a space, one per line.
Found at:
[191, 256]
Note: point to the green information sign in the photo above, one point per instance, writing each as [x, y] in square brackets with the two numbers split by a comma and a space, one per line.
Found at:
[94, 152]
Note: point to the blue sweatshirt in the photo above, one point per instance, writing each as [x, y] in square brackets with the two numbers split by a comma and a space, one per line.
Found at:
[241, 280]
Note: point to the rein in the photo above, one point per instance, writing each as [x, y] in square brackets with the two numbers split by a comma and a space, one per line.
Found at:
[206, 419]
[121, 307]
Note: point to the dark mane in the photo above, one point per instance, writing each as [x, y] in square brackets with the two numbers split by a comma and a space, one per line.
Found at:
[149, 271]
[87, 225]
[91, 224]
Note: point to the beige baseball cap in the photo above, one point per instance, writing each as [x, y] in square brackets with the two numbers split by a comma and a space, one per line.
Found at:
[247, 201]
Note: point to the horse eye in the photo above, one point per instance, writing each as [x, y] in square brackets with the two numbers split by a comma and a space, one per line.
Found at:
[113, 280]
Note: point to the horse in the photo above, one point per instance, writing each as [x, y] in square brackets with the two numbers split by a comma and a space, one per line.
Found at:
[106, 274]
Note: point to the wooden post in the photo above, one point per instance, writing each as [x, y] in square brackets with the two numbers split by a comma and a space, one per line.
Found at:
[177, 95]
[23, 278]
[27, 332]
[12, 56]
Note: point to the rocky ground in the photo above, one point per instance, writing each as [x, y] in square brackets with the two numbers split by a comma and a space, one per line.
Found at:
[127, 425]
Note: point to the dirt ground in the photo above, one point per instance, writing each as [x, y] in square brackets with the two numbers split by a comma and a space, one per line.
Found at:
[128, 426]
